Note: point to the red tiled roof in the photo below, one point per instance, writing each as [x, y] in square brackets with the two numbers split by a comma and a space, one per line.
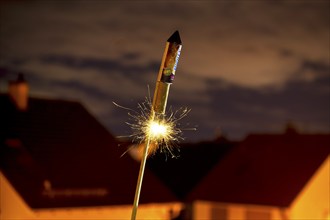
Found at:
[265, 169]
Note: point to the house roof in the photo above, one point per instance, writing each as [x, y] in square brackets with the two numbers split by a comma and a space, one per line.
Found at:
[193, 162]
[265, 170]
[57, 154]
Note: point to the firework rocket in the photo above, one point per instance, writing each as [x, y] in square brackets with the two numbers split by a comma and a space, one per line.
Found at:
[165, 78]
[167, 72]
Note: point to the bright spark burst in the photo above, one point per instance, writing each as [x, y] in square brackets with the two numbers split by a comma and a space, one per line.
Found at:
[157, 130]
[164, 131]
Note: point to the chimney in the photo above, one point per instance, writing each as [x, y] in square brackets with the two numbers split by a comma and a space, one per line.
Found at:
[18, 92]
[290, 128]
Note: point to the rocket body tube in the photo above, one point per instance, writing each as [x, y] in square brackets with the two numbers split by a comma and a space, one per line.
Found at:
[166, 73]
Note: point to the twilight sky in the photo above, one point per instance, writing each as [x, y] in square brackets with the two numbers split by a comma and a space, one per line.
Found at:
[245, 66]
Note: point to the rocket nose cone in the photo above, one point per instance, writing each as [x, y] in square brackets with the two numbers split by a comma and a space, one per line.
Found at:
[175, 38]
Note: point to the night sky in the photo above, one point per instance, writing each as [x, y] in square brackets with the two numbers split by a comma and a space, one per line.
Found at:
[245, 66]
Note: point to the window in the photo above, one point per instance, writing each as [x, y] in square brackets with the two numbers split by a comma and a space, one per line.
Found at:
[219, 213]
[257, 215]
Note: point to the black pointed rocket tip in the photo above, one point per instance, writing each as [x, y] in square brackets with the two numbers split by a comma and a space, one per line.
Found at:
[175, 38]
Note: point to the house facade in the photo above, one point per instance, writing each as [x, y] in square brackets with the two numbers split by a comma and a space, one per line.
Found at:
[13, 207]
[58, 162]
[311, 203]
[284, 176]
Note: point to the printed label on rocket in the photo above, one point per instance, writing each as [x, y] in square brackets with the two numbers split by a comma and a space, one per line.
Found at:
[166, 72]
[170, 63]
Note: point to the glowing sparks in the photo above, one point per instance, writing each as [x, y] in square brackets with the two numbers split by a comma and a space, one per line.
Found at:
[163, 131]
[156, 130]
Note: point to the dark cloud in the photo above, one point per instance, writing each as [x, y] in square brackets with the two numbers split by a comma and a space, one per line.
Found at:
[245, 65]
[320, 67]
[136, 72]
[241, 110]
